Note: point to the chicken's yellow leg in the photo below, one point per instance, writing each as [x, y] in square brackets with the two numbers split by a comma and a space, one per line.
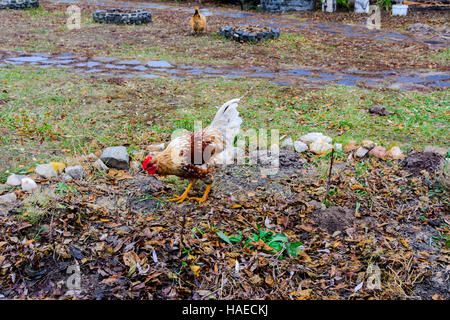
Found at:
[184, 195]
[205, 195]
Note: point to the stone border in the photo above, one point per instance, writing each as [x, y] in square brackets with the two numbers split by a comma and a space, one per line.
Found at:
[122, 16]
[18, 4]
[242, 36]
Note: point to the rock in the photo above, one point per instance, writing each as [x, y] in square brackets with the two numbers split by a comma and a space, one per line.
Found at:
[28, 184]
[76, 172]
[313, 136]
[156, 147]
[66, 178]
[46, 171]
[99, 165]
[441, 151]
[379, 110]
[368, 144]
[58, 166]
[338, 146]
[350, 146]
[135, 167]
[300, 146]
[320, 146]
[395, 153]
[287, 143]
[8, 198]
[116, 157]
[378, 152]
[361, 152]
[139, 155]
[14, 180]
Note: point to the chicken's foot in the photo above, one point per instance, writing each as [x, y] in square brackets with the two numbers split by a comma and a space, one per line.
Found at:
[205, 195]
[184, 196]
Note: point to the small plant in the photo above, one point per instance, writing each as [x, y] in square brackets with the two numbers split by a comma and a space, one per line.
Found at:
[385, 4]
[343, 3]
[277, 242]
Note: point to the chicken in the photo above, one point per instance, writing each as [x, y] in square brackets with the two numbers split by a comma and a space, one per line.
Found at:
[198, 21]
[197, 155]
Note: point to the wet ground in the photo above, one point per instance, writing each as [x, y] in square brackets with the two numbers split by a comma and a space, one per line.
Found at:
[346, 30]
[108, 66]
[325, 69]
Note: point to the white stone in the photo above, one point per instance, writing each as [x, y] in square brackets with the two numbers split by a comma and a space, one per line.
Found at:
[46, 171]
[378, 152]
[320, 146]
[361, 152]
[28, 184]
[395, 153]
[313, 136]
[66, 178]
[116, 157]
[76, 172]
[287, 143]
[8, 198]
[14, 180]
[368, 144]
[300, 146]
[338, 146]
[100, 165]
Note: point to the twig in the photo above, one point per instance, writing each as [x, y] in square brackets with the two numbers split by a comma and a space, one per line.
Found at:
[329, 172]
[182, 243]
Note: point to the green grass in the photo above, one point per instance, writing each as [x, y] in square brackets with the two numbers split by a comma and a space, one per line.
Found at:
[50, 114]
[441, 56]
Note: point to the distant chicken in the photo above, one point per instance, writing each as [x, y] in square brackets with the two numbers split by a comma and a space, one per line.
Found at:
[198, 22]
[197, 155]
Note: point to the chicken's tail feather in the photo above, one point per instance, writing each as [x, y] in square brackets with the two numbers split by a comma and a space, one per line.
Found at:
[227, 120]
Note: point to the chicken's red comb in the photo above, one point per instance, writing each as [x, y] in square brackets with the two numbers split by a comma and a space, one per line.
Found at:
[146, 161]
